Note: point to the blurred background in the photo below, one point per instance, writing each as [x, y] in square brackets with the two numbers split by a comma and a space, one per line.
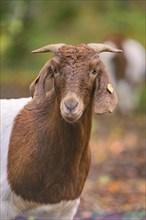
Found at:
[117, 179]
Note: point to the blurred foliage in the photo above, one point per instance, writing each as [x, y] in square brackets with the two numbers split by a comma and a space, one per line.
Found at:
[141, 99]
[28, 24]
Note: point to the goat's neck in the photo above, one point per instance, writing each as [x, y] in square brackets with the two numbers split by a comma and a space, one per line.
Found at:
[68, 139]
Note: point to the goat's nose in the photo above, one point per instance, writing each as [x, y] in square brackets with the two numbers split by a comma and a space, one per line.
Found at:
[71, 104]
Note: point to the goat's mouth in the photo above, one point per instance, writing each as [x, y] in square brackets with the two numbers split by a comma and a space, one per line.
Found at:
[71, 117]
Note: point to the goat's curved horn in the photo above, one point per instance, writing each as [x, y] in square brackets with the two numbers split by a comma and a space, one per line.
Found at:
[99, 48]
[49, 48]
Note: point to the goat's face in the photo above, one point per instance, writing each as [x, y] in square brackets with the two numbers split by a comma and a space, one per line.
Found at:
[74, 79]
[79, 77]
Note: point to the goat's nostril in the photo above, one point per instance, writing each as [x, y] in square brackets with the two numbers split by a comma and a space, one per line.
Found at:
[71, 104]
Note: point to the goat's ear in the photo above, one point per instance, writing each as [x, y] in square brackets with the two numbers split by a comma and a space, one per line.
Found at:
[37, 87]
[105, 98]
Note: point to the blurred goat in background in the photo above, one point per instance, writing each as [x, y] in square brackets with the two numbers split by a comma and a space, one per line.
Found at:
[128, 69]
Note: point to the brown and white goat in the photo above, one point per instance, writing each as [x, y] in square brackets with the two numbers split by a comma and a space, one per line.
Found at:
[45, 140]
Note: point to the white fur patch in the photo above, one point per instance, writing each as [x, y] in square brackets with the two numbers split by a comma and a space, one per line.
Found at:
[12, 205]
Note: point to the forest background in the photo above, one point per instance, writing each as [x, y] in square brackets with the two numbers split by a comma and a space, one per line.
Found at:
[29, 24]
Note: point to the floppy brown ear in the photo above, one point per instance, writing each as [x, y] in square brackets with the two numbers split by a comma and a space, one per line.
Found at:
[105, 98]
[37, 87]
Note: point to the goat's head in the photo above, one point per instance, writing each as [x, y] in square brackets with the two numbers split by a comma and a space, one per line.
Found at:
[79, 77]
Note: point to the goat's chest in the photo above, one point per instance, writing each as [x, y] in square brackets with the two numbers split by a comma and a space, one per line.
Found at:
[48, 167]
[50, 181]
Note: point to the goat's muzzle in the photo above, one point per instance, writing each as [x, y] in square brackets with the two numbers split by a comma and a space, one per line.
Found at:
[71, 108]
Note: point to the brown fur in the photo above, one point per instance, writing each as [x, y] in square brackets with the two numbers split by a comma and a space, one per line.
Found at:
[49, 158]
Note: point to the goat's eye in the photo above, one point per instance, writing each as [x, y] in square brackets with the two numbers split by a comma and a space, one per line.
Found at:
[94, 72]
[55, 71]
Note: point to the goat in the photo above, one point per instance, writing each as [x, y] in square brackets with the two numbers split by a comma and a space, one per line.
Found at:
[45, 139]
[128, 70]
